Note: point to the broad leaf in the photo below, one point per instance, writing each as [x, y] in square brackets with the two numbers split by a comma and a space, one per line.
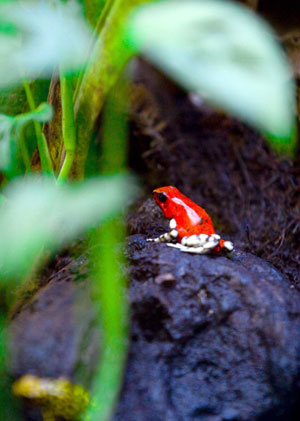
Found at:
[37, 213]
[36, 37]
[10, 128]
[224, 52]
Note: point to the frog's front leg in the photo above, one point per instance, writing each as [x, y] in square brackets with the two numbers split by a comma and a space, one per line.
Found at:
[168, 237]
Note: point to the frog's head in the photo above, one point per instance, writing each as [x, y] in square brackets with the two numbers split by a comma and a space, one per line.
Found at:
[164, 197]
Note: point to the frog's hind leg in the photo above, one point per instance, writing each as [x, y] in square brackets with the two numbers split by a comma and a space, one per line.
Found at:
[194, 250]
[198, 243]
[203, 244]
[168, 237]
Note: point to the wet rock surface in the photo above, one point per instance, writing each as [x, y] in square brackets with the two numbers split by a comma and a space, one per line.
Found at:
[213, 338]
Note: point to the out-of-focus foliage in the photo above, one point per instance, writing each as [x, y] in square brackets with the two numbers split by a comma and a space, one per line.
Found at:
[108, 261]
[224, 52]
[37, 214]
[110, 55]
[109, 289]
[93, 9]
[35, 37]
[10, 129]
[13, 101]
[9, 408]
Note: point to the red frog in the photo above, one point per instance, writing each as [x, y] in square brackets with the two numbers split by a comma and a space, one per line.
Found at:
[191, 229]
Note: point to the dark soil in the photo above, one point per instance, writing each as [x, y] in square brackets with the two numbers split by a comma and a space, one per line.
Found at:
[213, 338]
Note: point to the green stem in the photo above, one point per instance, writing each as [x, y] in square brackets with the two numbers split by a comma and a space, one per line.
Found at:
[98, 28]
[68, 126]
[103, 16]
[109, 293]
[24, 152]
[108, 60]
[46, 163]
[93, 9]
[114, 129]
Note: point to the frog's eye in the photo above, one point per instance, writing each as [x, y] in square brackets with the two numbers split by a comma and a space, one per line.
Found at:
[162, 197]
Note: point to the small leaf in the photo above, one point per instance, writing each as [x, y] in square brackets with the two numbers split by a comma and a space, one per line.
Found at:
[37, 213]
[36, 37]
[223, 51]
[10, 128]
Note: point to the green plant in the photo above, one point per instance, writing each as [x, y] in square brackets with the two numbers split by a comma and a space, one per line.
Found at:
[200, 44]
[41, 212]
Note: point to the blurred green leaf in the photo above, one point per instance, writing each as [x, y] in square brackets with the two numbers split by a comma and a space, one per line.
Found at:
[37, 213]
[13, 101]
[43, 37]
[10, 129]
[224, 52]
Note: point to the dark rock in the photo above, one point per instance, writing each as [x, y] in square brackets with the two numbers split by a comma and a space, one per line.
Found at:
[213, 338]
[220, 342]
[54, 335]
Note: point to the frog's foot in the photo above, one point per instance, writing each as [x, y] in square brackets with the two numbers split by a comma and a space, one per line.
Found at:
[168, 237]
[203, 244]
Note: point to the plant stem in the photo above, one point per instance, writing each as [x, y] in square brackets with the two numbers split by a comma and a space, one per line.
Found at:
[93, 9]
[109, 287]
[68, 126]
[98, 28]
[114, 129]
[102, 18]
[46, 163]
[24, 152]
[109, 293]
[108, 59]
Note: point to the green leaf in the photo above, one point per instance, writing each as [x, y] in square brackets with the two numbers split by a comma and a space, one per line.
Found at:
[37, 213]
[10, 129]
[224, 52]
[36, 37]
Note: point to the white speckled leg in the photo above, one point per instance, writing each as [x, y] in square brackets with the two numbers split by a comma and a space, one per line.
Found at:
[195, 250]
[201, 244]
[207, 242]
[197, 243]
